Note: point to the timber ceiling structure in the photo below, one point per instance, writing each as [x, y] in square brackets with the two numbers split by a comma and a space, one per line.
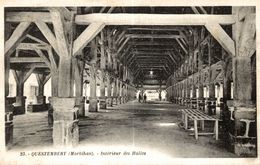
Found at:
[153, 52]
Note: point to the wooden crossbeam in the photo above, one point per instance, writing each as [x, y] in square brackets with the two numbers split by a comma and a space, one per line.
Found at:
[28, 74]
[156, 29]
[195, 10]
[222, 37]
[52, 60]
[182, 46]
[48, 34]
[122, 45]
[25, 59]
[28, 17]
[110, 9]
[40, 53]
[154, 19]
[36, 39]
[16, 37]
[153, 49]
[32, 46]
[102, 9]
[120, 37]
[86, 36]
[153, 36]
[148, 43]
[47, 78]
[203, 10]
[148, 53]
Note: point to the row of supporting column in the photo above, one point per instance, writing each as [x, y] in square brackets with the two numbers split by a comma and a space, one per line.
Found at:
[193, 96]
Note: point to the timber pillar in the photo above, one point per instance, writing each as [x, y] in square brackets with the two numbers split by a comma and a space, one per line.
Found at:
[93, 101]
[103, 102]
[65, 126]
[80, 103]
[9, 121]
[200, 100]
[193, 100]
[102, 98]
[243, 135]
[211, 101]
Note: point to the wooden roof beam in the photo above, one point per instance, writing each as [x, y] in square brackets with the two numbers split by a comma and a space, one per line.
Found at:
[26, 60]
[154, 19]
[48, 34]
[153, 36]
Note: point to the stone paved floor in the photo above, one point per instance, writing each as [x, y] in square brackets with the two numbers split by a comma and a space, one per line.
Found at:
[147, 127]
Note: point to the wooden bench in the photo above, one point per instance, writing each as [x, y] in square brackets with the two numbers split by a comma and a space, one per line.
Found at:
[196, 116]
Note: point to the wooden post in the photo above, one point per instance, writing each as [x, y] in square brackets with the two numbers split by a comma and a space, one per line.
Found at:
[115, 91]
[109, 89]
[244, 31]
[93, 96]
[78, 67]
[8, 104]
[20, 78]
[65, 114]
[42, 80]
[102, 100]
[194, 98]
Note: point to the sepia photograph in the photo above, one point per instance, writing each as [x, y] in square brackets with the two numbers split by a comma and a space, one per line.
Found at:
[137, 82]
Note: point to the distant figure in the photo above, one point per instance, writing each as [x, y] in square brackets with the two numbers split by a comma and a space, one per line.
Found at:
[139, 98]
[160, 97]
[144, 98]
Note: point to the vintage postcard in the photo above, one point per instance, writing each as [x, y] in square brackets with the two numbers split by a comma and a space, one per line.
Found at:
[129, 82]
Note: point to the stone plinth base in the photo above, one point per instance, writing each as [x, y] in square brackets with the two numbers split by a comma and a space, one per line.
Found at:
[194, 103]
[8, 125]
[119, 101]
[19, 105]
[93, 104]
[109, 102]
[65, 133]
[80, 103]
[41, 99]
[210, 106]
[115, 100]
[201, 104]
[243, 146]
[65, 125]
[102, 103]
[37, 107]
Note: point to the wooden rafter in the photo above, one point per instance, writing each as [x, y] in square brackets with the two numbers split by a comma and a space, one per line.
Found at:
[36, 39]
[222, 37]
[16, 37]
[182, 46]
[86, 36]
[48, 35]
[40, 53]
[122, 45]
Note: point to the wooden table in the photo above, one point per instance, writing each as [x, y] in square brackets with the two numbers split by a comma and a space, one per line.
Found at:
[197, 116]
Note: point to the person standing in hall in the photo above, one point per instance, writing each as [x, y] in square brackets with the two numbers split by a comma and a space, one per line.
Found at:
[144, 98]
[139, 98]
